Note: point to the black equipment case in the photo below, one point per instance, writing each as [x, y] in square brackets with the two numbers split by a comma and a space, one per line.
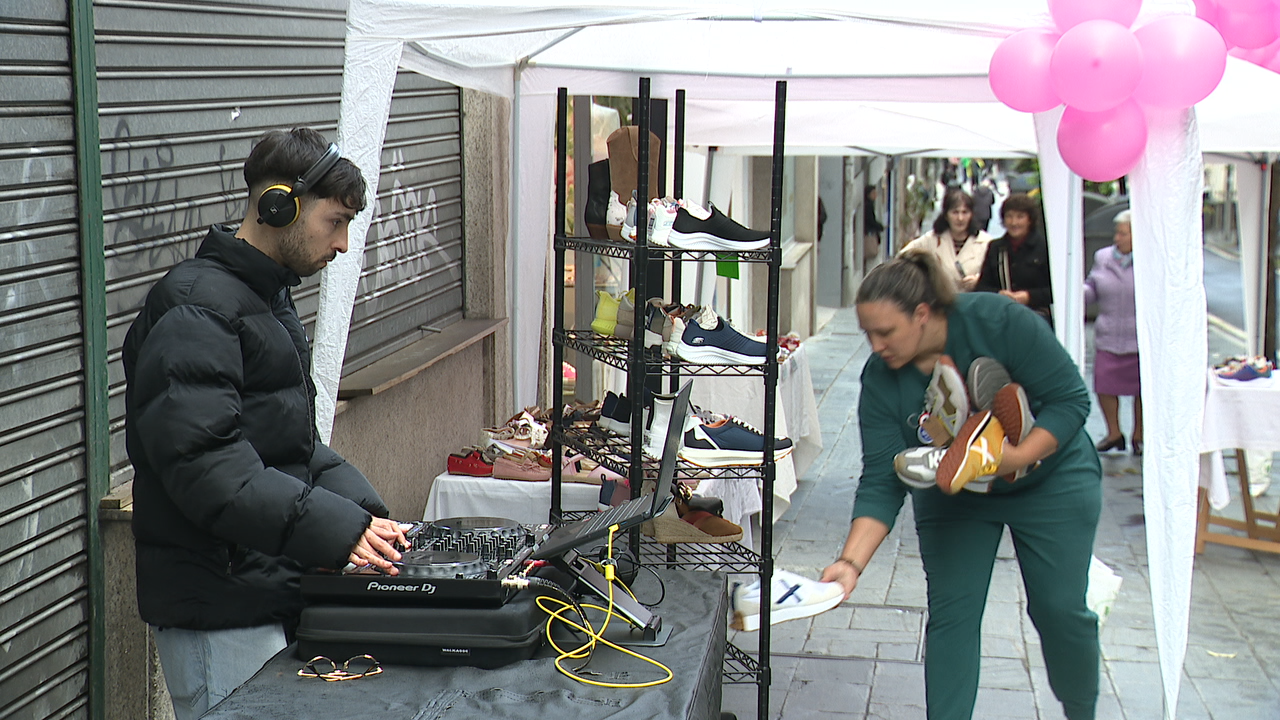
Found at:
[484, 637]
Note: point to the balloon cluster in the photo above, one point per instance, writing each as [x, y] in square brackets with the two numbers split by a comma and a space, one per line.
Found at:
[1251, 28]
[1105, 73]
[1246, 24]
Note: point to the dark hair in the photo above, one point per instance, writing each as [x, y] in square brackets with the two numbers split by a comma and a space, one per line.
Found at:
[1023, 203]
[282, 156]
[912, 278]
[952, 199]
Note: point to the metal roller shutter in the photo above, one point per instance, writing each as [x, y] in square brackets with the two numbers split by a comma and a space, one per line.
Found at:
[44, 630]
[185, 88]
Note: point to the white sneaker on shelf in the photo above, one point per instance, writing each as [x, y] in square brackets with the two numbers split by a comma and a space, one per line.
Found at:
[655, 434]
[792, 597]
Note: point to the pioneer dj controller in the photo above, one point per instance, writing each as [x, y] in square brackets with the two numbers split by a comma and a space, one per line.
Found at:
[467, 561]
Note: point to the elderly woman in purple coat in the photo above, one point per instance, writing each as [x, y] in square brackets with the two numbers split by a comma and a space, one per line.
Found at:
[1115, 364]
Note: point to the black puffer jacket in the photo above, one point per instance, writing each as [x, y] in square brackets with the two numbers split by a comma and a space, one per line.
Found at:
[233, 492]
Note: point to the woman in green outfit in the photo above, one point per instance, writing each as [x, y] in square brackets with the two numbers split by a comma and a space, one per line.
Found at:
[912, 317]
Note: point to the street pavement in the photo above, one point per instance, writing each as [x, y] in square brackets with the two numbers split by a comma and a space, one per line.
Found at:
[863, 659]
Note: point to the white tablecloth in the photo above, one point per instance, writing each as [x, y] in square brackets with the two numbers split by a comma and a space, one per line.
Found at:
[528, 503]
[1237, 414]
[797, 418]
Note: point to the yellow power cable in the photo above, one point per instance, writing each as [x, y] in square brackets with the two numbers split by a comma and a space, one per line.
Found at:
[595, 636]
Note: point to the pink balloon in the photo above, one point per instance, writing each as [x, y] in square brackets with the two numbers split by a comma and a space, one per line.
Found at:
[1245, 6]
[1105, 145]
[1019, 72]
[1069, 13]
[1207, 10]
[1183, 59]
[1096, 65]
[1247, 30]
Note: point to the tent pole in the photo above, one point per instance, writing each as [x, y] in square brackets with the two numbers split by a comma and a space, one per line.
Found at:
[1269, 277]
[513, 243]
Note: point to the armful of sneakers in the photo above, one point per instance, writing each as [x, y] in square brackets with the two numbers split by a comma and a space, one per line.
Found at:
[865, 536]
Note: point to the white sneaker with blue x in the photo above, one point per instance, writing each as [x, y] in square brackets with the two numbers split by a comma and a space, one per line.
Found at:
[792, 597]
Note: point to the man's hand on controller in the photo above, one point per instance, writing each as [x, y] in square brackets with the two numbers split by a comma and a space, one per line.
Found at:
[375, 546]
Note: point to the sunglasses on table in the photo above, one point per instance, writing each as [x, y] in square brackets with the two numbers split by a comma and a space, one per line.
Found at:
[329, 670]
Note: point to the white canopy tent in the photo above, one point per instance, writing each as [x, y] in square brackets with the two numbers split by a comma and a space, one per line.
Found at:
[925, 60]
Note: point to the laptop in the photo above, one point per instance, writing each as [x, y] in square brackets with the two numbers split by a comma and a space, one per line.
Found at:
[631, 513]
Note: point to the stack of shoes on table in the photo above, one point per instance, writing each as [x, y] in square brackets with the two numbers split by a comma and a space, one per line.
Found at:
[474, 461]
[527, 466]
[526, 429]
[581, 415]
[1251, 368]
[692, 519]
[965, 447]
[787, 344]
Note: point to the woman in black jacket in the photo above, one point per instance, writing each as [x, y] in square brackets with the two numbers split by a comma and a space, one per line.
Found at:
[1017, 264]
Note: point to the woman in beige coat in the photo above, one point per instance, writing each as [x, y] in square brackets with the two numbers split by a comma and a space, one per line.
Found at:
[960, 246]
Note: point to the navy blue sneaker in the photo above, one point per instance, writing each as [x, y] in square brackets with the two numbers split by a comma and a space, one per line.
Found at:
[728, 442]
[717, 232]
[721, 345]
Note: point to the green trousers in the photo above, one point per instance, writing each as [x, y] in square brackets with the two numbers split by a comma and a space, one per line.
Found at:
[1052, 524]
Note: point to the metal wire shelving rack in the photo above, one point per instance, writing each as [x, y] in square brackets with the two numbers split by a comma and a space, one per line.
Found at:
[644, 365]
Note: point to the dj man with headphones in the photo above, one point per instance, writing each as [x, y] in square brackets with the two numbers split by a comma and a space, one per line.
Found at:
[234, 494]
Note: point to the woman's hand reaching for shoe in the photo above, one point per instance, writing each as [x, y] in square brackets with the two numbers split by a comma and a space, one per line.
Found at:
[845, 572]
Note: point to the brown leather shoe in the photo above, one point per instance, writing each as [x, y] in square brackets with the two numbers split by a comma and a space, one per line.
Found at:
[509, 467]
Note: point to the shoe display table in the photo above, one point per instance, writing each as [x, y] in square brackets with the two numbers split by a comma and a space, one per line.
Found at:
[528, 503]
[695, 607]
[1238, 416]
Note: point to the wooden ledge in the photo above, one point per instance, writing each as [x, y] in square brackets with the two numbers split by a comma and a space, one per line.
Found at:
[413, 359]
[117, 504]
[793, 253]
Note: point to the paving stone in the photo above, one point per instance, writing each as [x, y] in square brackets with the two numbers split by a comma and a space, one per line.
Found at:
[993, 703]
[1213, 662]
[898, 683]
[880, 711]
[806, 696]
[1004, 647]
[1047, 705]
[1004, 673]
[834, 641]
[896, 619]
[1243, 700]
[1130, 653]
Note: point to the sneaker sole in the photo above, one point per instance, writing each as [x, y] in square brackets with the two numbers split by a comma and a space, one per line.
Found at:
[949, 477]
[751, 622]
[728, 458]
[614, 426]
[1011, 409]
[986, 377]
[707, 241]
[708, 355]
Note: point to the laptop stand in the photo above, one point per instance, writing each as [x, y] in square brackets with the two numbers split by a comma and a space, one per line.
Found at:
[645, 628]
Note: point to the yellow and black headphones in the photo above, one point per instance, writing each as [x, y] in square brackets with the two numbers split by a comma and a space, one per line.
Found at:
[279, 205]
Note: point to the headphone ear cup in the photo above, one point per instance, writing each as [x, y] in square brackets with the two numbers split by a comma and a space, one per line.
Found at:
[277, 208]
